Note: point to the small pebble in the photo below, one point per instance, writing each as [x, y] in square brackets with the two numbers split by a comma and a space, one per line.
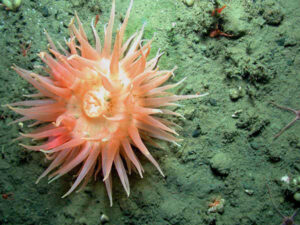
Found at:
[45, 12]
[234, 94]
[297, 196]
[296, 181]
[104, 219]
[221, 163]
[189, 2]
[17, 3]
[249, 192]
[212, 102]
[196, 133]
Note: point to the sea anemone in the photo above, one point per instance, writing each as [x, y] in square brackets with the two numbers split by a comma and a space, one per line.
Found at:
[98, 105]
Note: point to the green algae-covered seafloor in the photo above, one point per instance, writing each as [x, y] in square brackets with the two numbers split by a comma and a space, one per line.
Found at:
[228, 154]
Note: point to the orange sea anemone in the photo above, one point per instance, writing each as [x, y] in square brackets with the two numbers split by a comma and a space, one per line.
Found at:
[98, 105]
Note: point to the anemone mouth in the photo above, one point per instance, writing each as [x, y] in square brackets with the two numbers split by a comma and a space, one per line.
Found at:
[95, 103]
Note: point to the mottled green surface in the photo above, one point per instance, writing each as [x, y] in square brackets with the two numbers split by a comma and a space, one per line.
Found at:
[260, 64]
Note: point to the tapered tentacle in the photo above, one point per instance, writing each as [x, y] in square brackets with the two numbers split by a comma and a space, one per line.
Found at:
[122, 173]
[59, 159]
[108, 155]
[72, 162]
[108, 33]
[135, 137]
[127, 148]
[124, 24]
[88, 164]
